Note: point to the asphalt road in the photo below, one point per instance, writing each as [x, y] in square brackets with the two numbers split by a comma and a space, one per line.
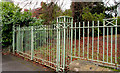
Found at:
[13, 63]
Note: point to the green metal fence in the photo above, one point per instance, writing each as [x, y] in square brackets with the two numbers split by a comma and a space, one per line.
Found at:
[97, 42]
[57, 45]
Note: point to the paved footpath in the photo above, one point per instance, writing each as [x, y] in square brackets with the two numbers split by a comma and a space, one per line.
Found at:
[13, 63]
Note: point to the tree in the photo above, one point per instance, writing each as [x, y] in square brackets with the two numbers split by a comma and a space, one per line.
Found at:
[94, 7]
[67, 12]
[50, 12]
[77, 9]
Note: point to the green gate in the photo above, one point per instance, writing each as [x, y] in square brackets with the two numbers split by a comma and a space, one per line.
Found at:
[44, 43]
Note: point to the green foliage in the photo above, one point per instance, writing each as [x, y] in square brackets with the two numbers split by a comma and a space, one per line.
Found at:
[88, 16]
[67, 12]
[118, 24]
[36, 22]
[22, 18]
[118, 20]
[12, 15]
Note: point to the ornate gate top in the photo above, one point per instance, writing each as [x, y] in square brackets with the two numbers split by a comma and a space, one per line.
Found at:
[110, 21]
[64, 19]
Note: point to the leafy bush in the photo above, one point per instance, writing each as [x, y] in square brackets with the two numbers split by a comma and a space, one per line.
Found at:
[36, 22]
[12, 15]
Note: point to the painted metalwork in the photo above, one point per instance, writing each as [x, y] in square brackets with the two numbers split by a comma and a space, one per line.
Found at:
[59, 44]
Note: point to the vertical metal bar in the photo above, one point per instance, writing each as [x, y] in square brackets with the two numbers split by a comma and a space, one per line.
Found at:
[75, 41]
[107, 42]
[71, 38]
[79, 39]
[59, 44]
[18, 38]
[13, 39]
[103, 40]
[32, 45]
[41, 42]
[57, 61]
[45, 43]
[83, 37]
[92, 40]
[57, 48]
[111, 42]
[40, 38]
[116, 42]
[53, 43]
[88, 42]
[35, 38]
[98, 43]
[22, 41]
[25, 40]
[67, 23]
[29, 39]
[49, 44]
[64, 44]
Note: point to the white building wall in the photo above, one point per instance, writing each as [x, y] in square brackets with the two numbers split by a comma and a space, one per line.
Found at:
[118, 9]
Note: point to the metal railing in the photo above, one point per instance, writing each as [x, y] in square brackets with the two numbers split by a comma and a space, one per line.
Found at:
[97, 42]
[59, 44]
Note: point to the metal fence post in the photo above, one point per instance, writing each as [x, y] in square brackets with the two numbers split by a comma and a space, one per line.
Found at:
[111, 43]
[13, 39]
[32, 45]
[75, 40]
[88, 42]
[71, 38]
[103, 40]
[83, 38]
[98, 42]
[79, 40]
[18, 38]
[22, 40]
[64, 43]
[116, 43]
[92, 39]
[57, 53]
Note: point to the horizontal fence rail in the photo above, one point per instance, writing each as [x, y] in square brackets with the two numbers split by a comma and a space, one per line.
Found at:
[57, 45]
